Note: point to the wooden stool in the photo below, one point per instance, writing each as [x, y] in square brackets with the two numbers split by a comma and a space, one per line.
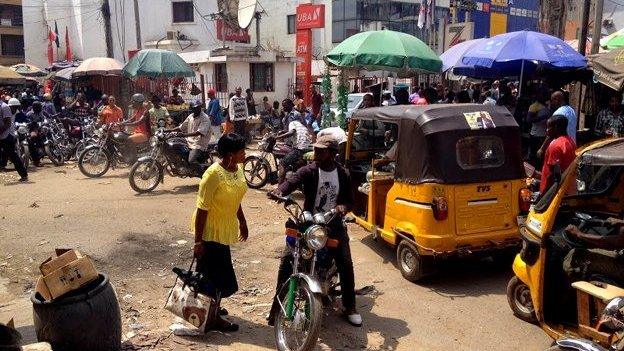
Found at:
[591, 299]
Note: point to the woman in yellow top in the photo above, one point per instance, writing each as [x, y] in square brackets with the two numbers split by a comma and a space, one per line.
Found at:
[219, 220]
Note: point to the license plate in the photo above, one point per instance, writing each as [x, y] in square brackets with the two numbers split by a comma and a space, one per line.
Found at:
[521, 220]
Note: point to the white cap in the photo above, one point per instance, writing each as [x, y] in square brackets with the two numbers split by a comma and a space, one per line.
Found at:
[14, 102]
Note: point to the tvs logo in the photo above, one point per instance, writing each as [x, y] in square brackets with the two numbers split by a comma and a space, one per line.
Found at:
[483, 188]
[310, 16]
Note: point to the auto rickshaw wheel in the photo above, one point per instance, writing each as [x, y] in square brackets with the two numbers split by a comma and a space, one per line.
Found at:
[520, 301]
[413, 266]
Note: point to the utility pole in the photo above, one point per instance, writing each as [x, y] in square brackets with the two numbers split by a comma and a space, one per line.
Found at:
[108, 31]
[582, 44]
[597, 26]
[137, 24]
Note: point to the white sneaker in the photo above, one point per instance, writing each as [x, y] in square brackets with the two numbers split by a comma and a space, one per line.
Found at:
[355, 319]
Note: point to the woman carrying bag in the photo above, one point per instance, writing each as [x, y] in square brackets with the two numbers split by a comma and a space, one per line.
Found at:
[219, 221]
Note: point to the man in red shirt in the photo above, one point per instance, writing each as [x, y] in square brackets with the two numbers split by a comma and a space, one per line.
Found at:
[561, 149]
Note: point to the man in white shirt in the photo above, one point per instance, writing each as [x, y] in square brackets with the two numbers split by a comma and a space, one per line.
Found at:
[7, 138]
[196, 130]
[302, 139]
[238, 112]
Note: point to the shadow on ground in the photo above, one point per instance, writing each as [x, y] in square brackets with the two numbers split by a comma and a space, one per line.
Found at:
[456, 277]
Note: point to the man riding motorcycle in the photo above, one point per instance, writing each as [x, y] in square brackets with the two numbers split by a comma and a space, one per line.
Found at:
[196, 130]
[326, 186]
[298, 130]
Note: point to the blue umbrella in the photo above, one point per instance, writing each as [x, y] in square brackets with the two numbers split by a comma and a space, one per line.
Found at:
[519, 53]
[452, 57]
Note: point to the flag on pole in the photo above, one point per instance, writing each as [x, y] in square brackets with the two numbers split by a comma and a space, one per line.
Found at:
[422, 14]
[69, 55]
[51, 37]
[56, 40]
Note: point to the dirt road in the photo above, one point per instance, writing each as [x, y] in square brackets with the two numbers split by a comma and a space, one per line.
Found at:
[138, 239]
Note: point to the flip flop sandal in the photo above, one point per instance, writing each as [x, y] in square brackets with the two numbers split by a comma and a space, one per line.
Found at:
[223, 311]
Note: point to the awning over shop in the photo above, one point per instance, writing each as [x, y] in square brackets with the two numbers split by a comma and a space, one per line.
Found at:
[609, 68]
[195, 57]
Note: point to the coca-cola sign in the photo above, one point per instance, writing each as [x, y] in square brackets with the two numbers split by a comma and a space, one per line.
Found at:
[235, 34]
[310, 16]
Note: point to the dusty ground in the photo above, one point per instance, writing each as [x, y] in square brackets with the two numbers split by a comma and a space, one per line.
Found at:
[136, 240]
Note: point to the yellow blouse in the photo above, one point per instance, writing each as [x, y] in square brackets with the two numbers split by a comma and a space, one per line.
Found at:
[220, 194]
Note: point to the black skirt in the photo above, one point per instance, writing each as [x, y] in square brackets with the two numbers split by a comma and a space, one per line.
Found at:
[216, 266]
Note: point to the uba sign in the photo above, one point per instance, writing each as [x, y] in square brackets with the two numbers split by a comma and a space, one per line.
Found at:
[310, 16]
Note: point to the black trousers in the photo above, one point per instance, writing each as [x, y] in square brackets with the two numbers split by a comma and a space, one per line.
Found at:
[240, 128]
[196, 159]
[7, 149]
[344, 264]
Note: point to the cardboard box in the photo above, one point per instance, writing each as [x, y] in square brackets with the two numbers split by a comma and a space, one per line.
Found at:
[52, 264]
[67, 272]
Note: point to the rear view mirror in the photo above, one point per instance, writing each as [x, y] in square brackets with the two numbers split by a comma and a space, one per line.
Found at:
[557, 173]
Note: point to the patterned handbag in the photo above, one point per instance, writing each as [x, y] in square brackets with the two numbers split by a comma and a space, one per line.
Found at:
[185, 302]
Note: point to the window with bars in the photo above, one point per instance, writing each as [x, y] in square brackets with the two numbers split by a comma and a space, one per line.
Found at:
[292, 24]
[261, 76]
[12, 45]
[183, 11]
[220, 77]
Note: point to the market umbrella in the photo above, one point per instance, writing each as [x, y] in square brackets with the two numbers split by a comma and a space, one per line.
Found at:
[10, 77]
[385, 50]
[28, 70]
[518, 53]
[65, 74]
[613, 41]
[453, 56]
[98, 66]
[154, 63]
[609, 68]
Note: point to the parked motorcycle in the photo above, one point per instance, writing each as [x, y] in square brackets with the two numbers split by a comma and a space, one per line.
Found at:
[81, 135]
[262, 169]
[22, 147]
[169, 152]
[111, 149]
[315, 276]
[54, 141]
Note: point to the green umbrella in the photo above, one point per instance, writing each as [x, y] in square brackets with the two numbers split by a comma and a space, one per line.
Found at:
[385, 50]
[154, 63]
[613, 41]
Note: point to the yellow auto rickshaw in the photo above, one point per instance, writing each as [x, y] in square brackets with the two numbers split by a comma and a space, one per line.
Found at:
[565, 295]
[438, 181]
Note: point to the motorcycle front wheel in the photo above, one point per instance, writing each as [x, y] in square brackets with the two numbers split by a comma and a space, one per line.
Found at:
[24, 154]
[55, 154]
[145, 176]
[256, 172]
[302, 331]
[94, 162]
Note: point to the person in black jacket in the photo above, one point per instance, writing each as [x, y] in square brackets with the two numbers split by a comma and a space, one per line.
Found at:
[326, 186]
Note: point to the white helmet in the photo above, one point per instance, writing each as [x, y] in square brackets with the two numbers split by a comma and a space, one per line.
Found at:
[14, 102]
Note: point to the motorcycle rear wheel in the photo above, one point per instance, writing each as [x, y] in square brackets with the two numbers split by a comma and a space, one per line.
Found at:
[94, 162]
[143, 179]
[307, 305]
[55, 155]
[256, 172]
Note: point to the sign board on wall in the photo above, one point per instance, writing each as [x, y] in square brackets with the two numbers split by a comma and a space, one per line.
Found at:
[457, 33]
[304, 55]
[310, 16]
[237, 34]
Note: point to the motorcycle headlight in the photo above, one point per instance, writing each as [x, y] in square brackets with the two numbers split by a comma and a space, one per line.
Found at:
[316, 237]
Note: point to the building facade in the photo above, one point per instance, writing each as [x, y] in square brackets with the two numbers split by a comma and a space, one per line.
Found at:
[11, 32]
